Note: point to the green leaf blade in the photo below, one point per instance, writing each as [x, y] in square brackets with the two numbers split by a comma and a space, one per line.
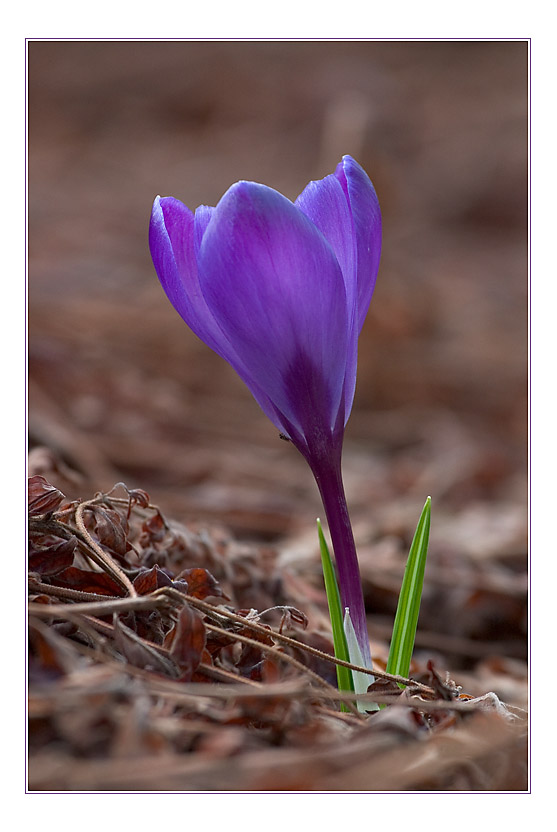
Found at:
[344, 675]
[408, 609]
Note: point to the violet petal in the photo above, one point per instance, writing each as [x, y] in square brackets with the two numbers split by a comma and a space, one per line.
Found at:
[275, 288]
[366, 215]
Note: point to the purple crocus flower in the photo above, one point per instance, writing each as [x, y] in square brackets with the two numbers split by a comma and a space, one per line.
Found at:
[280, 290]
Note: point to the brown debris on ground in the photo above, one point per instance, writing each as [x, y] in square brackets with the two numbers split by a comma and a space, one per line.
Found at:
[146, 673]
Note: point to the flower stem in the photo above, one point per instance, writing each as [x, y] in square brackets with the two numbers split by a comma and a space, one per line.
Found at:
[328, 476]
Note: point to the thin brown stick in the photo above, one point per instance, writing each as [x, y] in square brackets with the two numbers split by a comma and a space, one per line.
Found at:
[105, 560]
[64, 592]
[107, 607]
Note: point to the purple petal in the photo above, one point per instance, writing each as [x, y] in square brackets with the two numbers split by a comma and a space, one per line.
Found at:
[172, 244]
[325, 203]
[173, 234]
[273, 284]
[366, 216]
[203, 215]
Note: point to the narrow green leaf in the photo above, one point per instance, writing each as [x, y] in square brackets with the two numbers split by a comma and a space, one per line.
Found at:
[344, 675]
[406, 619]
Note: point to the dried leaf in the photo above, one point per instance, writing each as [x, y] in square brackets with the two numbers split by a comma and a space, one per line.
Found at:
[137, 651]
[52, 558]
[139, 496]
[43, 497]
[87, 581]
[385, 687]
[151, 579]
[111, 530]
[446, 690]
[52, 655]
[250, 662]
[188, 643]
[135, 495]
[153, 530]
[292, 616]
[201, 584]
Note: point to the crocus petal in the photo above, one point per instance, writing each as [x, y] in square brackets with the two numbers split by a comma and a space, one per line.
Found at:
[202, 218]
[324, 202]
[366, 215]
[275, 288]
[171, 245]
[171, 240]
[326, 205]
[174, 234]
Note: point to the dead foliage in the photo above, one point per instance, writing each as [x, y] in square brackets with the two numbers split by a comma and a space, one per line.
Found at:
[145, 673]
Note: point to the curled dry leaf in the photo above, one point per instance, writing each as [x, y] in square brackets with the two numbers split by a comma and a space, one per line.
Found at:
[43, 498]
[153, 530]
[44, 661]
[201, 584]
[385, 688]
[110, 529]
[250, 662]
[446, 690]
[139, 497]
[87, 581]
[51, 555]
[138, 652]
[151, 579]
[188, 641]
[292, 617]
[136, 496]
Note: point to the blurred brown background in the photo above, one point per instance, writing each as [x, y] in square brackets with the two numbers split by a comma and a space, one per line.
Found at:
[119, 389]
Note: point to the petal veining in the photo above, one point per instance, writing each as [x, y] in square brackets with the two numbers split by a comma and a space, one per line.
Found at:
[275, 287]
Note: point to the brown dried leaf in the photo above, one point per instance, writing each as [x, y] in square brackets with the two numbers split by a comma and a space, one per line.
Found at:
[51, 558]
[137, 651]
[111, 530]
[189, 640]
[43, 497]
[292, 616]
[51, 655]
[40, 599]
[446, 690]
[270, 670]
[201, 584]
[250, 662]
[151, 579]
[386, 688]
[139, 496]
[153, 530]
[254, 634]
[87, 581]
